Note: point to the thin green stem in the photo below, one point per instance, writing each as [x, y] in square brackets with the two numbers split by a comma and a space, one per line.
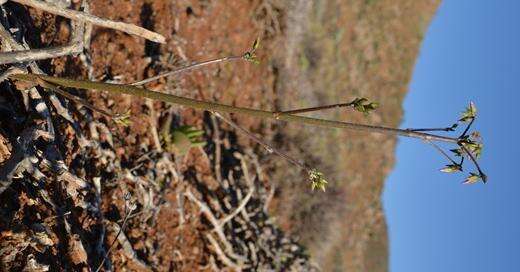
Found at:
[212, 106]
[267, 146]
[430, 129]
[186, 68]
[53, 87]
[467, 128]
[438, 148]
[340, 105]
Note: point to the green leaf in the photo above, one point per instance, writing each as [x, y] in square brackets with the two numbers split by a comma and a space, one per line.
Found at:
[472, 178]
[457, 152]
[469, 114]
[363, 105]
[473, 147]
[123, 119]
[317, 180]
[452, 168]
[256, 44]
[184, 138]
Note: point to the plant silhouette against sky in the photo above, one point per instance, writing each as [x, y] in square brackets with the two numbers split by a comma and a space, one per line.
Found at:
[467, 146]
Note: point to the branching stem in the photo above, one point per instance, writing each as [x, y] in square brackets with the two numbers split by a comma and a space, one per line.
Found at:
[474, 160]
[268, 147]
[443, 152]
[430, 129]
[467, 128]
[186, 68]
[333, 106]
[212, 106]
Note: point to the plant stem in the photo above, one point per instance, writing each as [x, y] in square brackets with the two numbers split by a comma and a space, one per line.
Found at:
[268, 147]
[430, 129]
[81, 101]
[186, 68]
[212, 106]
[315, 108]
[438, 148]
[128, 213]
[467, 128]
[474, 160]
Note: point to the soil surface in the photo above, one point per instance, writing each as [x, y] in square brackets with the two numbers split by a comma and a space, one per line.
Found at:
[89, 193]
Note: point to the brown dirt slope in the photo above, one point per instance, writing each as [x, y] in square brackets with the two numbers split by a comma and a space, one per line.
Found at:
[66, 204]
[336, 51]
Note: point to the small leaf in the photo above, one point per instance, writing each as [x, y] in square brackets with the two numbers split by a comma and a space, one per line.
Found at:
[251, 57]
[457, 152]
[183, 138]
[317, 180]
[123, 119]
[452, 168]
[472, 178]
[363, 105]
[256, 44]
[453, 127]
[473, 147]
[469, 114]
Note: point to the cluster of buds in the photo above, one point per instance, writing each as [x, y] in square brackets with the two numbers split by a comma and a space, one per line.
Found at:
[363, 105]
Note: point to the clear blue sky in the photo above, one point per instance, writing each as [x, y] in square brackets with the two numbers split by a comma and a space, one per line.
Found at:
[470, 52]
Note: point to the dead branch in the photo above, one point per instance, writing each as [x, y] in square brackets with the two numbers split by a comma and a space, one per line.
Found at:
[240, 207]
[39, 54]
[216, 225]
[21, 55]
[88, 18]
[228, 262]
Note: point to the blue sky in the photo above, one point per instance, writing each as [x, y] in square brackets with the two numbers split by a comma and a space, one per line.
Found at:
[471, 52]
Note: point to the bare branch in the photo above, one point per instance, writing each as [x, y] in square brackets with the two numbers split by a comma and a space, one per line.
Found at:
[129, 208]
[240, 207]
[193, 66]
[39, 54]
[467, 128]
[222, 256]
[333, 106]
[267, 146]
[88, 18]
[438, 148]
[216, 225]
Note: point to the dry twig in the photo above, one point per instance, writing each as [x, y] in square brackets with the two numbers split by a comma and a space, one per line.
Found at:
[88, 18]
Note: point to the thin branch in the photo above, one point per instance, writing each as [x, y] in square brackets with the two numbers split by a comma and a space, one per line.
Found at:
[333, 106]
[77, 99]
[212, 106]
[186, 69]
[240, 207]
[268, 147]
[467, 128]
[474, 160]
[128, 212]
[85, 17]
[39, 54]
[430, 129]
[221, 255]
[438, 148]
[216, 225]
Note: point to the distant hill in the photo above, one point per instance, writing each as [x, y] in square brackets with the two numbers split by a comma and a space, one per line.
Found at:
[334, 51]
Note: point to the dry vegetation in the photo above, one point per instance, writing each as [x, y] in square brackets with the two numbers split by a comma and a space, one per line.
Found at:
[211, 208]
